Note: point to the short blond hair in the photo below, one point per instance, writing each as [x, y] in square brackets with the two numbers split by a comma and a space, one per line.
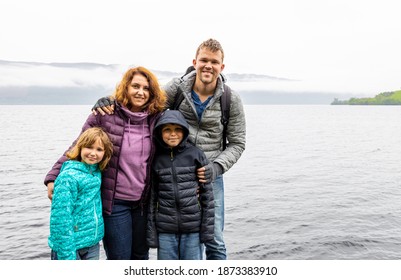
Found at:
[212, 45]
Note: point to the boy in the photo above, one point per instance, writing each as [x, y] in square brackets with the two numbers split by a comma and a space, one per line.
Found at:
[181, 214]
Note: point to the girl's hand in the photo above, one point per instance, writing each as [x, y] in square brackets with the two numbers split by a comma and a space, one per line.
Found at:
[50, 189]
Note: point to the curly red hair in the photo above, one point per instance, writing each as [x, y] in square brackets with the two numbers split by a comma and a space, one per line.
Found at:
[157, 96]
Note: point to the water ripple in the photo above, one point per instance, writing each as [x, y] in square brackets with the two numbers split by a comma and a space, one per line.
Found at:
[315, 182]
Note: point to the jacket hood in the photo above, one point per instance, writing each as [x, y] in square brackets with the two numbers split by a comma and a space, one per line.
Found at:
[173, 117]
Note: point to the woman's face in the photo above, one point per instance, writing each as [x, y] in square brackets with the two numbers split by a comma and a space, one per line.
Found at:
[138, 92]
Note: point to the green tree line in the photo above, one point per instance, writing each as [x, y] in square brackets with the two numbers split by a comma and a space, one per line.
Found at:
[384, 98]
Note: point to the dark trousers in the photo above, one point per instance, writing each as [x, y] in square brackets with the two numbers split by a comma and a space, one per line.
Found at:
[125, 232]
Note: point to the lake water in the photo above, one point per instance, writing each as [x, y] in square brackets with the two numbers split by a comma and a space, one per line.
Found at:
[315, 182]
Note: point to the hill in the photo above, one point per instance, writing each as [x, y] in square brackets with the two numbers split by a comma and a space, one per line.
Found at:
[384, 98]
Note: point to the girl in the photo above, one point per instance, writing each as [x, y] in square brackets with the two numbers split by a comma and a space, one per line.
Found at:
[76, 222]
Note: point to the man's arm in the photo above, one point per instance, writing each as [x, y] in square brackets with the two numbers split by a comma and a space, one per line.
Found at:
[236, 135]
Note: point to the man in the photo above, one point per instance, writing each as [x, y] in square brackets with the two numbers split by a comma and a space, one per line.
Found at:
[202, 89]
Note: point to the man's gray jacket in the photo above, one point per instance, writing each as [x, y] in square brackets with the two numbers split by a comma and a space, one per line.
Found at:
[207, 133]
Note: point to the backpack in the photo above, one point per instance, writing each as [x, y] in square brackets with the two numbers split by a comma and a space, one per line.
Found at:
[225, 100]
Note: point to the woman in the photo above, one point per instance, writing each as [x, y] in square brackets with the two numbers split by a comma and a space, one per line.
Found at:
[139, 101]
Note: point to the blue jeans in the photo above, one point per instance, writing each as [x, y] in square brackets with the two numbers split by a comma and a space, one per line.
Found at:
[216, 249]
[88, 253]
[185, 246]
[125, 232]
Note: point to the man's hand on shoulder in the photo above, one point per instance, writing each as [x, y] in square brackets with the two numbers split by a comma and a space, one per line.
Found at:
[104, 105]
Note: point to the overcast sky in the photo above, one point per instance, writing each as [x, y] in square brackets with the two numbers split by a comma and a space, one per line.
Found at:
[339, 45]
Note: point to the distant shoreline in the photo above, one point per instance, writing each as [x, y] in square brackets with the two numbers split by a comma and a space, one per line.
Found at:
[385, 98]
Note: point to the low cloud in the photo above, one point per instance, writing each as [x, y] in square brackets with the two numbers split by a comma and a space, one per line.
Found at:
[47, 75]
[93, 75]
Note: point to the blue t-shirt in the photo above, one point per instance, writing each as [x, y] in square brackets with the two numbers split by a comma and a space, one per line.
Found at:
[199, 106]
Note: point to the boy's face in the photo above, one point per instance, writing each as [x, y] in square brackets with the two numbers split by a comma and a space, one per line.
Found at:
[172, 134]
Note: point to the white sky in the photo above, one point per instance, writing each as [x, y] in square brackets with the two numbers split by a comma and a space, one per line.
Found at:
[339, 45]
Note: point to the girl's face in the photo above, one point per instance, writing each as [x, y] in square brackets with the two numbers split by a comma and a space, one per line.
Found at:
[93, 154]
[138, 92]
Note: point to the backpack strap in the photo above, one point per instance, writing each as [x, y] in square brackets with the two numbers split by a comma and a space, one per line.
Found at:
[225, 101]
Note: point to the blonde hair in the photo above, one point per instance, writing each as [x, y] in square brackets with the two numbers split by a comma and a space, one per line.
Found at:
[87, 139]
[212, 45]
[157, 97]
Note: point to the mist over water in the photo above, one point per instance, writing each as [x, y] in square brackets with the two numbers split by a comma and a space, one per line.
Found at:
[315, 181]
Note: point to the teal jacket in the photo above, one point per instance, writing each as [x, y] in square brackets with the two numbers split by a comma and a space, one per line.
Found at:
[76, 219]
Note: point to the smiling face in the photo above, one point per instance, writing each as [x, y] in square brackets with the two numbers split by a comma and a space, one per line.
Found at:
[138, 93]
[208, 65]
[172, 134]
[93, 154]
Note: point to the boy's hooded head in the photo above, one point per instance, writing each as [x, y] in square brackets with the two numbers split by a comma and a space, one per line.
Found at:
[171, 120]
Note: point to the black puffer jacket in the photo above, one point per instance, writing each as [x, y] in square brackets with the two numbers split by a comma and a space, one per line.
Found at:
[175, 206]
